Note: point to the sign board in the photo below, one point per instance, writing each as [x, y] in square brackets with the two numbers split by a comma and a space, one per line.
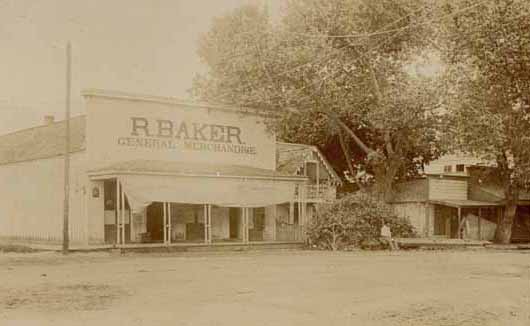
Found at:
[126, 128]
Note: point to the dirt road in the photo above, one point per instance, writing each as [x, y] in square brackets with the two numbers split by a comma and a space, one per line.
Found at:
[267, 288]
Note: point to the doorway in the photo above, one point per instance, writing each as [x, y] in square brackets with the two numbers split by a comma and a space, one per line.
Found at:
[155, 222]
[234, 222]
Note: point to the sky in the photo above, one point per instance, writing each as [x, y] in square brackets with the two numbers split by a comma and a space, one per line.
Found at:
[139, 46]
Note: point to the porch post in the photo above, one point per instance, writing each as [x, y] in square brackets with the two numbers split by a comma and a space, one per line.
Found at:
[301, 214]
[478, 223]
[209, 224]
[205, 217]
[459, 223]
[245, 226]
[291, 212]
[244, 223]
[122, 211]
[304, 206]
[132, 235]
[164, 222]
[117, 209]
[275, 215]
[168, 222]
[318, 178]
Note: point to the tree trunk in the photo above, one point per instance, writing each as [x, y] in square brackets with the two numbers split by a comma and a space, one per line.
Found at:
[503, 233]
[384, 180]
[385, 173]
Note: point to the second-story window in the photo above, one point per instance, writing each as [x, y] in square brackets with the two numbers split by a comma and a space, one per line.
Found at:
[311, 170]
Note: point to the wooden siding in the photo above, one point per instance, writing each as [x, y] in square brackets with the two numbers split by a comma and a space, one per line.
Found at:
[31, 205]
[418, 215]
[440, 189]
[437, 166]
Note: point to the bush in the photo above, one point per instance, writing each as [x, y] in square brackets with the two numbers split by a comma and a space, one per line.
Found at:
[355, 221]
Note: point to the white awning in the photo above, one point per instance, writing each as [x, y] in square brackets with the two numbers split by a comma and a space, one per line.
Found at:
[142, 190]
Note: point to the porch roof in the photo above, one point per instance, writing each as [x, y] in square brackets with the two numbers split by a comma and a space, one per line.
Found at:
[464, 203]
[189, 169]
[144, 182]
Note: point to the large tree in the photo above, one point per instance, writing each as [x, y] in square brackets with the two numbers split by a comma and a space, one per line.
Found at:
[334, 71]
[489, 52]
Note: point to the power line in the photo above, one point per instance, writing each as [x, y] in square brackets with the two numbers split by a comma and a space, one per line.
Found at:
[295, 33]
[382, 32]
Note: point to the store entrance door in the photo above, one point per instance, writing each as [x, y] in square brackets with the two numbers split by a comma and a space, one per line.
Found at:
[234, 222]
[155, 222]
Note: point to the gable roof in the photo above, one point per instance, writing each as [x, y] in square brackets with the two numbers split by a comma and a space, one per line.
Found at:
[42, 141]
[290, 159]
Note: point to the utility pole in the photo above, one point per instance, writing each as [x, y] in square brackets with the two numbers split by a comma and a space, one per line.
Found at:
[66, 209]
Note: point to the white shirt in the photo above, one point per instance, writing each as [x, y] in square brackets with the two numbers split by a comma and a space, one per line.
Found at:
[385, 231]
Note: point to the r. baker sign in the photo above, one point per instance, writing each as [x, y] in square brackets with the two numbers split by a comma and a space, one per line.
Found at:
[126, 129]
[165, 134]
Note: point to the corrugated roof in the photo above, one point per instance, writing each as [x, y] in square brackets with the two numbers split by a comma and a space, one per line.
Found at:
[181, 168]
[42, 142]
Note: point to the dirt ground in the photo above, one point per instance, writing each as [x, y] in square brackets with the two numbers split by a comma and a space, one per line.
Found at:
[480, 287]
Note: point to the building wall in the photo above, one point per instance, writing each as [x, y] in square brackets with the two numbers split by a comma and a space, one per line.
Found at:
[32, 194]
[437, 166]
[137, 128]
[447, 189]
[419, 215]
[96, 213]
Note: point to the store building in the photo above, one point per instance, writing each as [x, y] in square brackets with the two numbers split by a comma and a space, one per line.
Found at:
[152, 170]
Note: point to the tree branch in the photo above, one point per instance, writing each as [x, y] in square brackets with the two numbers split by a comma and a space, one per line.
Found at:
[357, 140]
[346, 153]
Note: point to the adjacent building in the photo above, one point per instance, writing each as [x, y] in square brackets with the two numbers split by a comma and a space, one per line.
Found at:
[454, 200]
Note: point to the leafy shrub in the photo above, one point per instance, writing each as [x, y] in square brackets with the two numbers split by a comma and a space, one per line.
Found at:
[355, 221]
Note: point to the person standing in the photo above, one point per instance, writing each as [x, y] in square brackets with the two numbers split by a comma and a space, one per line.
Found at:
[386, 236]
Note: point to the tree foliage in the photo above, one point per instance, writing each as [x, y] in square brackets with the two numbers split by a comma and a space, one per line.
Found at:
[489, 52]
[355, 221]
[332, 69]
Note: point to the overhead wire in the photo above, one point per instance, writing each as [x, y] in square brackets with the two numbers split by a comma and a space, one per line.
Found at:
[389, 38]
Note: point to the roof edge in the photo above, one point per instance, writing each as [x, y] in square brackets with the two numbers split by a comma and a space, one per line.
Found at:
[121, 95]
[113, 172]
[43, 125]
[71, 152]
